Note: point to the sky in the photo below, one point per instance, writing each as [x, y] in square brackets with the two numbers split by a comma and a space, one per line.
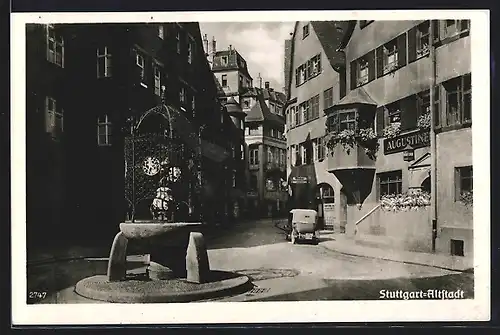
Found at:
[260, 43]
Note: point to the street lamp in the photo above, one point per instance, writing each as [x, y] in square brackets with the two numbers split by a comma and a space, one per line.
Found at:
[409, 153]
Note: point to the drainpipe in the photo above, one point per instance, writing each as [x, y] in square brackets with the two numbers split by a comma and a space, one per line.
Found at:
[432, 54]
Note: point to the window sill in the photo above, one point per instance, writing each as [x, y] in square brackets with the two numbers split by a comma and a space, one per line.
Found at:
[443, 129]
[311, 78]
[302, 124]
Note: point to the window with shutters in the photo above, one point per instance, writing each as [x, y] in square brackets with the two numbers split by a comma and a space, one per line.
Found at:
[390, 54]
[328, 98]
[362, 71]
[422, 39]
[458, 100]
[308, 70]
[394, 112]
[103, 62]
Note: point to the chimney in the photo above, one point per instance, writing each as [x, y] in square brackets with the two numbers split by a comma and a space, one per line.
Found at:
[205, 44]
[267, 85]
[214, 45]
[260, 80]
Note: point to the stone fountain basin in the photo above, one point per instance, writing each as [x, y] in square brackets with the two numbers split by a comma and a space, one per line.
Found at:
[141, 230]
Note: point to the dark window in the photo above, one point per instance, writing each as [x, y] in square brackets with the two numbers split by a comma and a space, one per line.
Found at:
[224, 80]
[457, 247]
[390, 183]
[463, 181]
[315, 107]
[103, 62]
[394, 112]
[305, 30]
[253, 182]
[178, 41]
[458, 100]
[327, 193]
[328, 98]
[363, 70]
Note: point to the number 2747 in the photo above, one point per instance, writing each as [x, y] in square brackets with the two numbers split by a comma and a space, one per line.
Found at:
[37, 295]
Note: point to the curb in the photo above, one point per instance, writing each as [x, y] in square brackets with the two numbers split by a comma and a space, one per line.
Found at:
[86, 288]
[468, 270]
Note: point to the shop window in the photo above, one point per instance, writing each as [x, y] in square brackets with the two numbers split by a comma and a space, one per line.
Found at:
[458, 100]
[103, 62]
[390, 183]
[224, 80]
[463, 182]
[328, 98]
[55, 46]
[103, 131]
[457, 247]
[305, 30]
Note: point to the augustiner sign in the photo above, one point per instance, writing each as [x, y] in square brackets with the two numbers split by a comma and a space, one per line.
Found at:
[416, 140]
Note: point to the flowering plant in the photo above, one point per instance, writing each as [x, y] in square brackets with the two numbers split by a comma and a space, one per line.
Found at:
[466, 198]
[404, 202]
[424, 50]
[424, 121]
[392, 130]
[390, 67]
[349, 138]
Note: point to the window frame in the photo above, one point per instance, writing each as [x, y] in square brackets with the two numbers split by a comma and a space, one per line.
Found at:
[224, 79]
[390, 49]
[397, 179]
[142, 67]
[161, 32]
[54, 41]
[328, 98]
[157, 79]
[52, 116]
[456, 86]
[305, 30]
[459, 178]
[106, 123]
[106, 57]
[362, 80]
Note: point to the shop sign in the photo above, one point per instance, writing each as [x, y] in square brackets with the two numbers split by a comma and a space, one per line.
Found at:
[299, 180]
[415, 140]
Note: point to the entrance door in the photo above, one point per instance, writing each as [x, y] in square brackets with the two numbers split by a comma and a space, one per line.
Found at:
[326, 205]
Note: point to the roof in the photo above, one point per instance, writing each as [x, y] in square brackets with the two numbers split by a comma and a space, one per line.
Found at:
[266, 93]
[260, 112]
[332, 36]
[235, 61]
[357, 96]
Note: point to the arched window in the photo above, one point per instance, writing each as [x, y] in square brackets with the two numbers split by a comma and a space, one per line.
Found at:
[426, 185]
[326, 193]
